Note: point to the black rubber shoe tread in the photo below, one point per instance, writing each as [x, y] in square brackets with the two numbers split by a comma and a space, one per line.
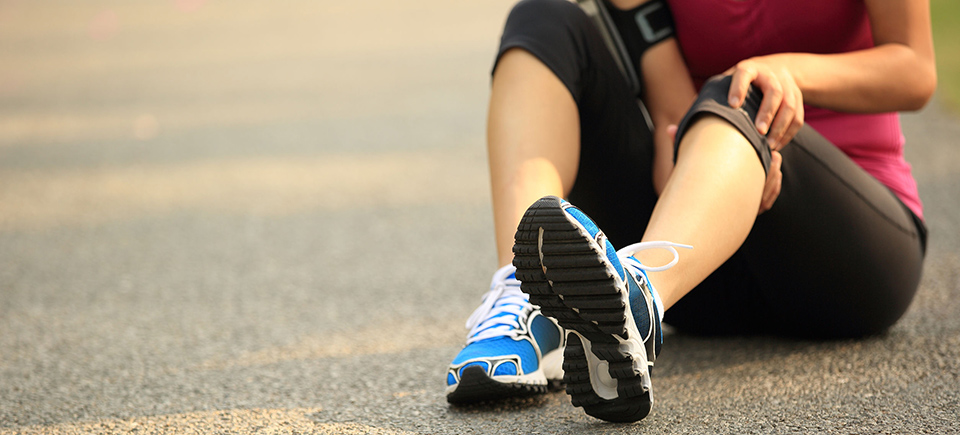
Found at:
[475, 386]
[553, 248]
[588, 302]
[573, 260]
[598, 288]
[554, 235]
[579, 291]
[577, 378]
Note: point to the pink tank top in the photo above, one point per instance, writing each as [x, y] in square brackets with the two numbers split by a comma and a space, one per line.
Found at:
[716, 34]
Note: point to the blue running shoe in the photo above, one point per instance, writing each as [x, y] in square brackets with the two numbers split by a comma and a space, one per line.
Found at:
[512, 350]
[605, 301]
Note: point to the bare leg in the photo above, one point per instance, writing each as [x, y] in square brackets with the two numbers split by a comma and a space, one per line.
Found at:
[533, 141]
[710, 202]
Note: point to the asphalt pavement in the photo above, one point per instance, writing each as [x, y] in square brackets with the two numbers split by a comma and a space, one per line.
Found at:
[262, 217]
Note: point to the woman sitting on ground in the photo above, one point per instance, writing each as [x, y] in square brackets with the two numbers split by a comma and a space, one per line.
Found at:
[775, 152]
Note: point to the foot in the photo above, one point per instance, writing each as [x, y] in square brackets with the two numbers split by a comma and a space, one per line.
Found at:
[605, 301]
[512, 349]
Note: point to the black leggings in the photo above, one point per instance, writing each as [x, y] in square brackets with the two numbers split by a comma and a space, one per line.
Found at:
[838, 255]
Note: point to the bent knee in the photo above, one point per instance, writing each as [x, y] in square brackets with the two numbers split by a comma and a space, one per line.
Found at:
[548, 9]
[546, 18]
[712, 103]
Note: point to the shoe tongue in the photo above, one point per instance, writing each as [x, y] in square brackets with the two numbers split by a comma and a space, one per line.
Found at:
[513, 313]
[630, 268]
[502, 274]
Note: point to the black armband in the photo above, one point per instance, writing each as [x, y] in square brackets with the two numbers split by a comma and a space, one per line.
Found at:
[642, 27]
[628, 34]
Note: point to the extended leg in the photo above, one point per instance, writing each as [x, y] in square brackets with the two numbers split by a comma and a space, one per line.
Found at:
[533, 141]
[551, 99]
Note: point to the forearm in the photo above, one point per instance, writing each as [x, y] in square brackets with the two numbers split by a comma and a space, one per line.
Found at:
[886, 78]
[899, 73]
[668, 93]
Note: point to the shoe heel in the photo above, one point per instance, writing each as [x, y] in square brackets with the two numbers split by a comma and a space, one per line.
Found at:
[633, 403]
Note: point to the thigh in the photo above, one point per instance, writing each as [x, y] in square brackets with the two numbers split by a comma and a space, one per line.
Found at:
[838, 255]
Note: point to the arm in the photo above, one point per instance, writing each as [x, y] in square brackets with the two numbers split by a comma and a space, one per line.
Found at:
[668, 93]
[897, 74]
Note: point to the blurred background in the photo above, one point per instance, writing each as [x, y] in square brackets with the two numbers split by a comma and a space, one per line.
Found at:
[162, 104]
[254, 216]
[190, 188]
[945, 15]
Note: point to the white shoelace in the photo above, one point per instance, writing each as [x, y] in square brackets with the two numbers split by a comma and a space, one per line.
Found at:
[626, 254]
[626, 258]
[505, 306]
[502, 310]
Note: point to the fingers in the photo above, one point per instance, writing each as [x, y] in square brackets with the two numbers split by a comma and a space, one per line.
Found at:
[672, 131]
[798, 121]
[743, 76]
[771, 188]
[780, 115]
[772, 99]
[793, 128]
[789, 116]
[783, 120]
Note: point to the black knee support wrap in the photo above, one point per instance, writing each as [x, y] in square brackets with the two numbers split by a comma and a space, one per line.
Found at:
[713, 100]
